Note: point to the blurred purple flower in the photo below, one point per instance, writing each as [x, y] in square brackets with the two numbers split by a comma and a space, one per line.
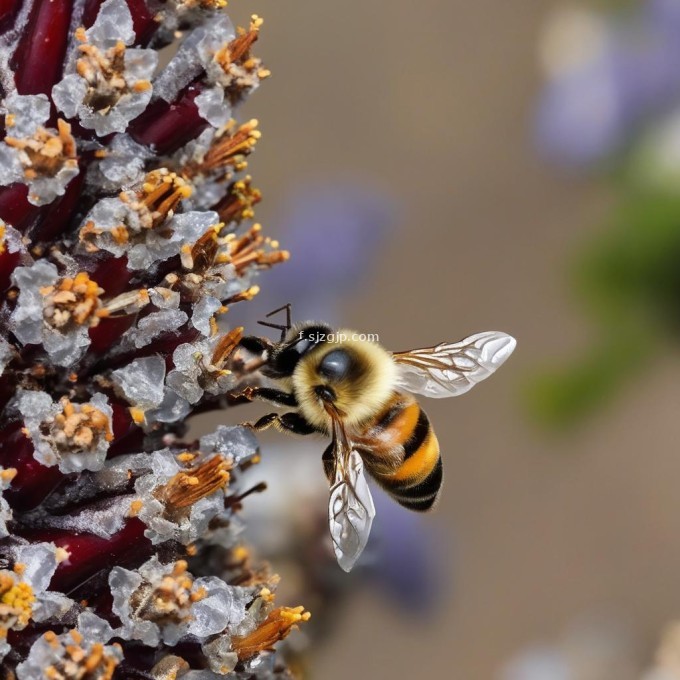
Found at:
[598, 96]
[408, 556]
[336, 231]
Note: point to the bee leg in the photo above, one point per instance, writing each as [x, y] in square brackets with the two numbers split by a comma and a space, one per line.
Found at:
[273, 396]
[328, 460]
[295, 423]
[264, 423]
[288, 422]
[255, 344]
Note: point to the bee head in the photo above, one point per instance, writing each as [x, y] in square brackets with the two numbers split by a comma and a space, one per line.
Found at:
[299, 341]
[355, 376]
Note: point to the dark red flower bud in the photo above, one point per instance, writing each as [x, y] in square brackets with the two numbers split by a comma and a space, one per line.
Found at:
[8, 262]
[52, 223]
[8, 12]
[167, 127]
[15, 208]
[89, 554]
[34, 481]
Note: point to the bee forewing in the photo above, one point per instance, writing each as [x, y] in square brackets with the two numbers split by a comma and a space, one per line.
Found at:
[350, 512]
[451, 369]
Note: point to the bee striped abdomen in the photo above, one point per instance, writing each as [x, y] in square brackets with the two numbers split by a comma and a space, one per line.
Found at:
[417, 477]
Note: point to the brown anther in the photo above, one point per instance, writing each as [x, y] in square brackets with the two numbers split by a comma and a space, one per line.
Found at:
[238, 50]
[239, 202]
[189, 486]
[46, 152]
[155, 203]
[243, 70]
[204, 251]
[161, 193]
[226, 346]
[249, 250]
[276, 626]
[228, 150]
[244, 295]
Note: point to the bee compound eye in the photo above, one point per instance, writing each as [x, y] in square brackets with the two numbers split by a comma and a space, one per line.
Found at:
[335, 365]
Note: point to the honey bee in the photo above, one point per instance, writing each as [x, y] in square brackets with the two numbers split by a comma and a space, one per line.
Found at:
[361, 395]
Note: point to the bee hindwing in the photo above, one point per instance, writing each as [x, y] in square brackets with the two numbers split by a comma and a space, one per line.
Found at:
[350, 512]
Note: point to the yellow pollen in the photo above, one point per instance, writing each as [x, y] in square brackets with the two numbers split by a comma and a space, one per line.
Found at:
[170, 599]
[8, 475]
[62, 555]
[239, 201]
[104, 72]
[73, 301]
[77, 660]
[46, 152]
[16, 602]
[137, 415]
[79, 426]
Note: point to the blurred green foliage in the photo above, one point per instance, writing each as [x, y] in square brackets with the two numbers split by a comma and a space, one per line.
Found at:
[629, 281]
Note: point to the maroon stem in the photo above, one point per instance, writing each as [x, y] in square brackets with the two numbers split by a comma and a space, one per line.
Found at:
[39, 57]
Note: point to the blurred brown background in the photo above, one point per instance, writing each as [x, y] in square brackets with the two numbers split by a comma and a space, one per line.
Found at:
[432, 101]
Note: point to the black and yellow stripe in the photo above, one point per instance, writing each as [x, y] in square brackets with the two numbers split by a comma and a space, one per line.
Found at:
[416, 481]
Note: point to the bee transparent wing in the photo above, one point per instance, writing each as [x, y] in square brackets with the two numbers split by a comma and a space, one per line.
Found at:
[451, 369]
[350, 506]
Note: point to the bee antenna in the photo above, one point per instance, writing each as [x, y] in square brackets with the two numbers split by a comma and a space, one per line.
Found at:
[280, 327]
